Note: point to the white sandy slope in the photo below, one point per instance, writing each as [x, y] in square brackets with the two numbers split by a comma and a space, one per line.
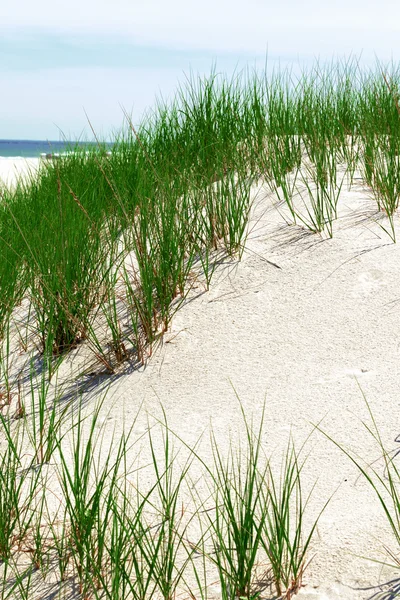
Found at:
[306, 338]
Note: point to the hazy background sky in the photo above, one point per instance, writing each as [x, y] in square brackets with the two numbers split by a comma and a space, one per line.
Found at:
[60, 59]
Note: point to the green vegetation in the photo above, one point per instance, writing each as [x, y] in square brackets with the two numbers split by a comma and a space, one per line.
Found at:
[94, 235]
[283, 537]
[120, 538]
[101, 250]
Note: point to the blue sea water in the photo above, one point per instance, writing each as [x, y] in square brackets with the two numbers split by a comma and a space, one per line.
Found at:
[34, 148]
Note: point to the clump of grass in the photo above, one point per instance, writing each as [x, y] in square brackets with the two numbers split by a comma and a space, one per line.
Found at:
[321, 182]
[284, 538]
[43, 424]
[63, 247]
[17, 491]
[161, 542]
[88, 489]
[227, 206]
[284, 164]
[381, 170]
[12, 275]
[237, 523]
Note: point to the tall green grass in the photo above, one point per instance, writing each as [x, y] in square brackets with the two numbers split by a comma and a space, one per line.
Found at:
[94, 235]
[239, 481]
[103, 250]
[118, 535]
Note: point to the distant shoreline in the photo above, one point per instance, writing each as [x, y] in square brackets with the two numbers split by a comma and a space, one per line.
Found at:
[26, 149]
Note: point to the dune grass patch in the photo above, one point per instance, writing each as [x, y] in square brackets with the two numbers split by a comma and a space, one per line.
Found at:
[95, 231]
[101, 251]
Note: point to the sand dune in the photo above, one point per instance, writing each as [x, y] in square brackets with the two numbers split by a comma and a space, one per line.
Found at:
[303, 323]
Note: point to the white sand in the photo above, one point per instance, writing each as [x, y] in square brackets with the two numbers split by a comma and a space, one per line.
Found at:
[300, 337]
[12, 169]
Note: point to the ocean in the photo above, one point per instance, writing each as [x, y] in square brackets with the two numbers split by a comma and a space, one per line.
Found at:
[34, 148]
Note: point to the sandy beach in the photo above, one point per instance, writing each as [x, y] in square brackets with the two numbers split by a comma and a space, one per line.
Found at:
[307, 326]
[11, 169]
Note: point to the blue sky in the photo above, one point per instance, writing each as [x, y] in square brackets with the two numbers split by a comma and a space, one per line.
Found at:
[60, 60]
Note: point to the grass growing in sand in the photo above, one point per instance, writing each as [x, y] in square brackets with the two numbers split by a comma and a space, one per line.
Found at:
[96, 241]
[113, 534]
[179, 186]
[101, 251]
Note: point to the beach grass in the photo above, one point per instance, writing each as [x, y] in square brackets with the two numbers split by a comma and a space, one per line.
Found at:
[120, 540]
[94, 229]
[102, 250]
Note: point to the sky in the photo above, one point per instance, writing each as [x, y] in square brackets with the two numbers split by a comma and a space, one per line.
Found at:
[67, 66]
